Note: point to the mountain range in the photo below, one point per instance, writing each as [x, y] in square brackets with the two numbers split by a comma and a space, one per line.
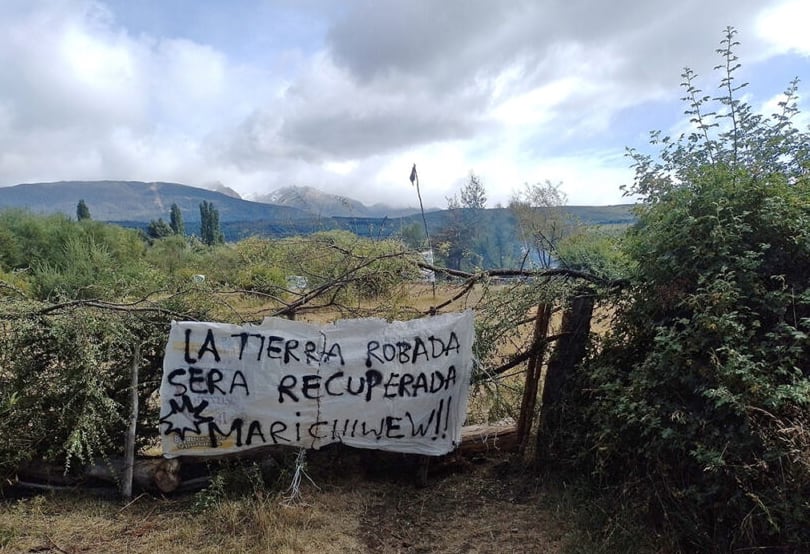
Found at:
[139, 201]
[285, 212]
[321, 203]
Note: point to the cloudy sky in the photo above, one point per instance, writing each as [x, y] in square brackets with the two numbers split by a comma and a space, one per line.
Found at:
[346, 95]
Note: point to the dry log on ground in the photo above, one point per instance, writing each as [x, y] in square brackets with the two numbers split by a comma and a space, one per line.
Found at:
[482, 439]
[148, 474]
[47, 474]
[152, 474]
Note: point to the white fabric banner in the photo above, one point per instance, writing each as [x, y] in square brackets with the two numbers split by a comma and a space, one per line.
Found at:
[399, 386]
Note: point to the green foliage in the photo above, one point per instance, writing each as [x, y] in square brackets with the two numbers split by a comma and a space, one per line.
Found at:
[236, 479]
[61, 258]
[258, 265]
[595, 250]
[461, 242]
[541, 221]
[176, 258]
[65, 362]
[176, 221]
[362, 268]
[413, 235]
[210, 232]
[473, 194]
[452, 242]
[82, 211]
[158, 229]
[501, 318]
[63, 382]
[699, 396]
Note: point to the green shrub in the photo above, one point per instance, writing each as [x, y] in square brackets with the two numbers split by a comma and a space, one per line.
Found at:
[65, 259]
[64, 380]
[700, 397]
[595, 250]
[361, 268]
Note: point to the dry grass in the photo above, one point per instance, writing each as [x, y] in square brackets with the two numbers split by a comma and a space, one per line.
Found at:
[80, 523]
[373, 506]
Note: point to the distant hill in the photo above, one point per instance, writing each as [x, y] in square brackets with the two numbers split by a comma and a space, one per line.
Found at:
[134, 204]
[618, 214]
[501, 221]
[138, 201]
[324, 204]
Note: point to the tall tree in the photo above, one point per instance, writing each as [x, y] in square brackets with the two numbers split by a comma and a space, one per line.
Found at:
[541, 221]
[82, 211]
[176, 221]
[462, 240]
[476, 227]
[210, 232]
[473, 194]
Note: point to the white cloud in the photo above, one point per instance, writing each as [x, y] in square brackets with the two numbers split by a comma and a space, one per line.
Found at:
[341, 168]
[536, 106]
[784, 27]
[517, 91]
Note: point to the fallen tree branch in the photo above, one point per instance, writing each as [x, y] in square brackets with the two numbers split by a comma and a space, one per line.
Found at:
[467, 288]
[163, 475]
[555, 272]
[150, 473]
[103, 305]
[481, 439]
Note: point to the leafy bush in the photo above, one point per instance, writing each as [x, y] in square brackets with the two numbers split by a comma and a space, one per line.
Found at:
[69, 318]
[64, 379]
[259, 266]
[595, 250]
[361, 268]
[67, 259]
[700, 397]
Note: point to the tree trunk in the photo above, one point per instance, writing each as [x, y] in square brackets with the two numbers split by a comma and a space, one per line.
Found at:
[148, 473]
[163, 475]
[568, 353]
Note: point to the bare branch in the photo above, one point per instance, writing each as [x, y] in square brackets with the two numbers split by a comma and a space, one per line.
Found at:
[556, 272]
[522, 357]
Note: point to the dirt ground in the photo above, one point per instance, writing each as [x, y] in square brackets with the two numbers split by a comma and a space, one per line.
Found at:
[479, 505]
[486, 507]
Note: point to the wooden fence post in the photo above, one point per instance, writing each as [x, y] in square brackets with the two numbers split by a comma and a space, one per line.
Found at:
[132, 424]
[533, 372]
[569, 352]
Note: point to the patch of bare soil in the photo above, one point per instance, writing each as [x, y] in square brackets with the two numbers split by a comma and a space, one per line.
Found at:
[483, 505]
